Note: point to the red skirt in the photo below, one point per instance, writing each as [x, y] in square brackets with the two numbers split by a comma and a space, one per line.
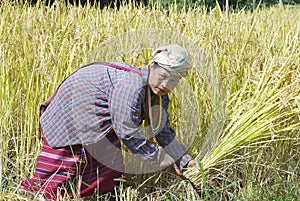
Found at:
[73, 171]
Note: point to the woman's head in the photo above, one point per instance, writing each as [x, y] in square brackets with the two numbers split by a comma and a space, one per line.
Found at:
[169, 64]
[173, 58]
[161, 81]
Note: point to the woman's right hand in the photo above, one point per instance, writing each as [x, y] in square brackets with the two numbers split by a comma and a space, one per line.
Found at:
[167, 163]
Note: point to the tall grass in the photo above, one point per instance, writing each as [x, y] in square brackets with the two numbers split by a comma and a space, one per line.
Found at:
[247, 132]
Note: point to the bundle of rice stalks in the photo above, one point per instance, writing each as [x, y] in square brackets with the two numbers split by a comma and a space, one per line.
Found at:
[263, 111]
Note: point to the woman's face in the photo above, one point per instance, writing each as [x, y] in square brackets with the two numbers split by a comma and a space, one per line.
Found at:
[161, 81]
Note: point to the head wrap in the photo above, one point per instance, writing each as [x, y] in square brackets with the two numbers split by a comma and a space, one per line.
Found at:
[173, 58]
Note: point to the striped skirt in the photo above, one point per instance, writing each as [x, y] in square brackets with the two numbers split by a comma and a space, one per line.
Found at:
[74, 172]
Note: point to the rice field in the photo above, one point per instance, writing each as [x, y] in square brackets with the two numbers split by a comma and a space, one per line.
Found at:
[240, 104]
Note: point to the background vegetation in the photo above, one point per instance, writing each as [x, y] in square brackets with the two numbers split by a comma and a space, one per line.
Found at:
[247, 137]
[207, 4]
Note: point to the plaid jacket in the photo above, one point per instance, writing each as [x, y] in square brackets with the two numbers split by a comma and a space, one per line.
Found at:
[101, 98]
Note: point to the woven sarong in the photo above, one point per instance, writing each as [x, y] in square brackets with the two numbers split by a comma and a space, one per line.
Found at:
[72, 171]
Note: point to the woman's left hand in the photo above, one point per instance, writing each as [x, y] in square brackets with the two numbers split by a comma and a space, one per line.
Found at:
[193, 163]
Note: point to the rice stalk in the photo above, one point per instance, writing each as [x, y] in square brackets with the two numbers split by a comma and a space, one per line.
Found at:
[261, 116]
[246, 89]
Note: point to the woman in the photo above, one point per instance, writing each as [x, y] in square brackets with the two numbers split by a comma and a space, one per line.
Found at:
[95, 109]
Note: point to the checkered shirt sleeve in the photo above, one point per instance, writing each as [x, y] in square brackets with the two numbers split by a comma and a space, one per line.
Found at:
[126, 104]
[125, 107]
[167, 139]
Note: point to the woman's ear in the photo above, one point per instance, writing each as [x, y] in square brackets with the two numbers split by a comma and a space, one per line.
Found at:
[151, 65]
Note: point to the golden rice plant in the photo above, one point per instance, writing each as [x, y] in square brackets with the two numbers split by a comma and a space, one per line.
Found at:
[247, 88]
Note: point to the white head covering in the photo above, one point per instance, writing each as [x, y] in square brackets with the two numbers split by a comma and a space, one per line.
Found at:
[173, 58]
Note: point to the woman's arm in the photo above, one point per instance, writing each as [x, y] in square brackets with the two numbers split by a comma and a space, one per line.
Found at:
[167, 139]
[125, 108]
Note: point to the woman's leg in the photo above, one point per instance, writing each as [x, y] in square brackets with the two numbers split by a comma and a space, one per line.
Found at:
[73, 171]
[55, 169]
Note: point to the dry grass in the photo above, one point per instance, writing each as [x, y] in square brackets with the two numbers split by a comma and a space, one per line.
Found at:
[246, 88]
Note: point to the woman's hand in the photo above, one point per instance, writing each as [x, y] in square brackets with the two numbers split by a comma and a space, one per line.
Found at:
[168, 164]
[175, 169]
[193, 163]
